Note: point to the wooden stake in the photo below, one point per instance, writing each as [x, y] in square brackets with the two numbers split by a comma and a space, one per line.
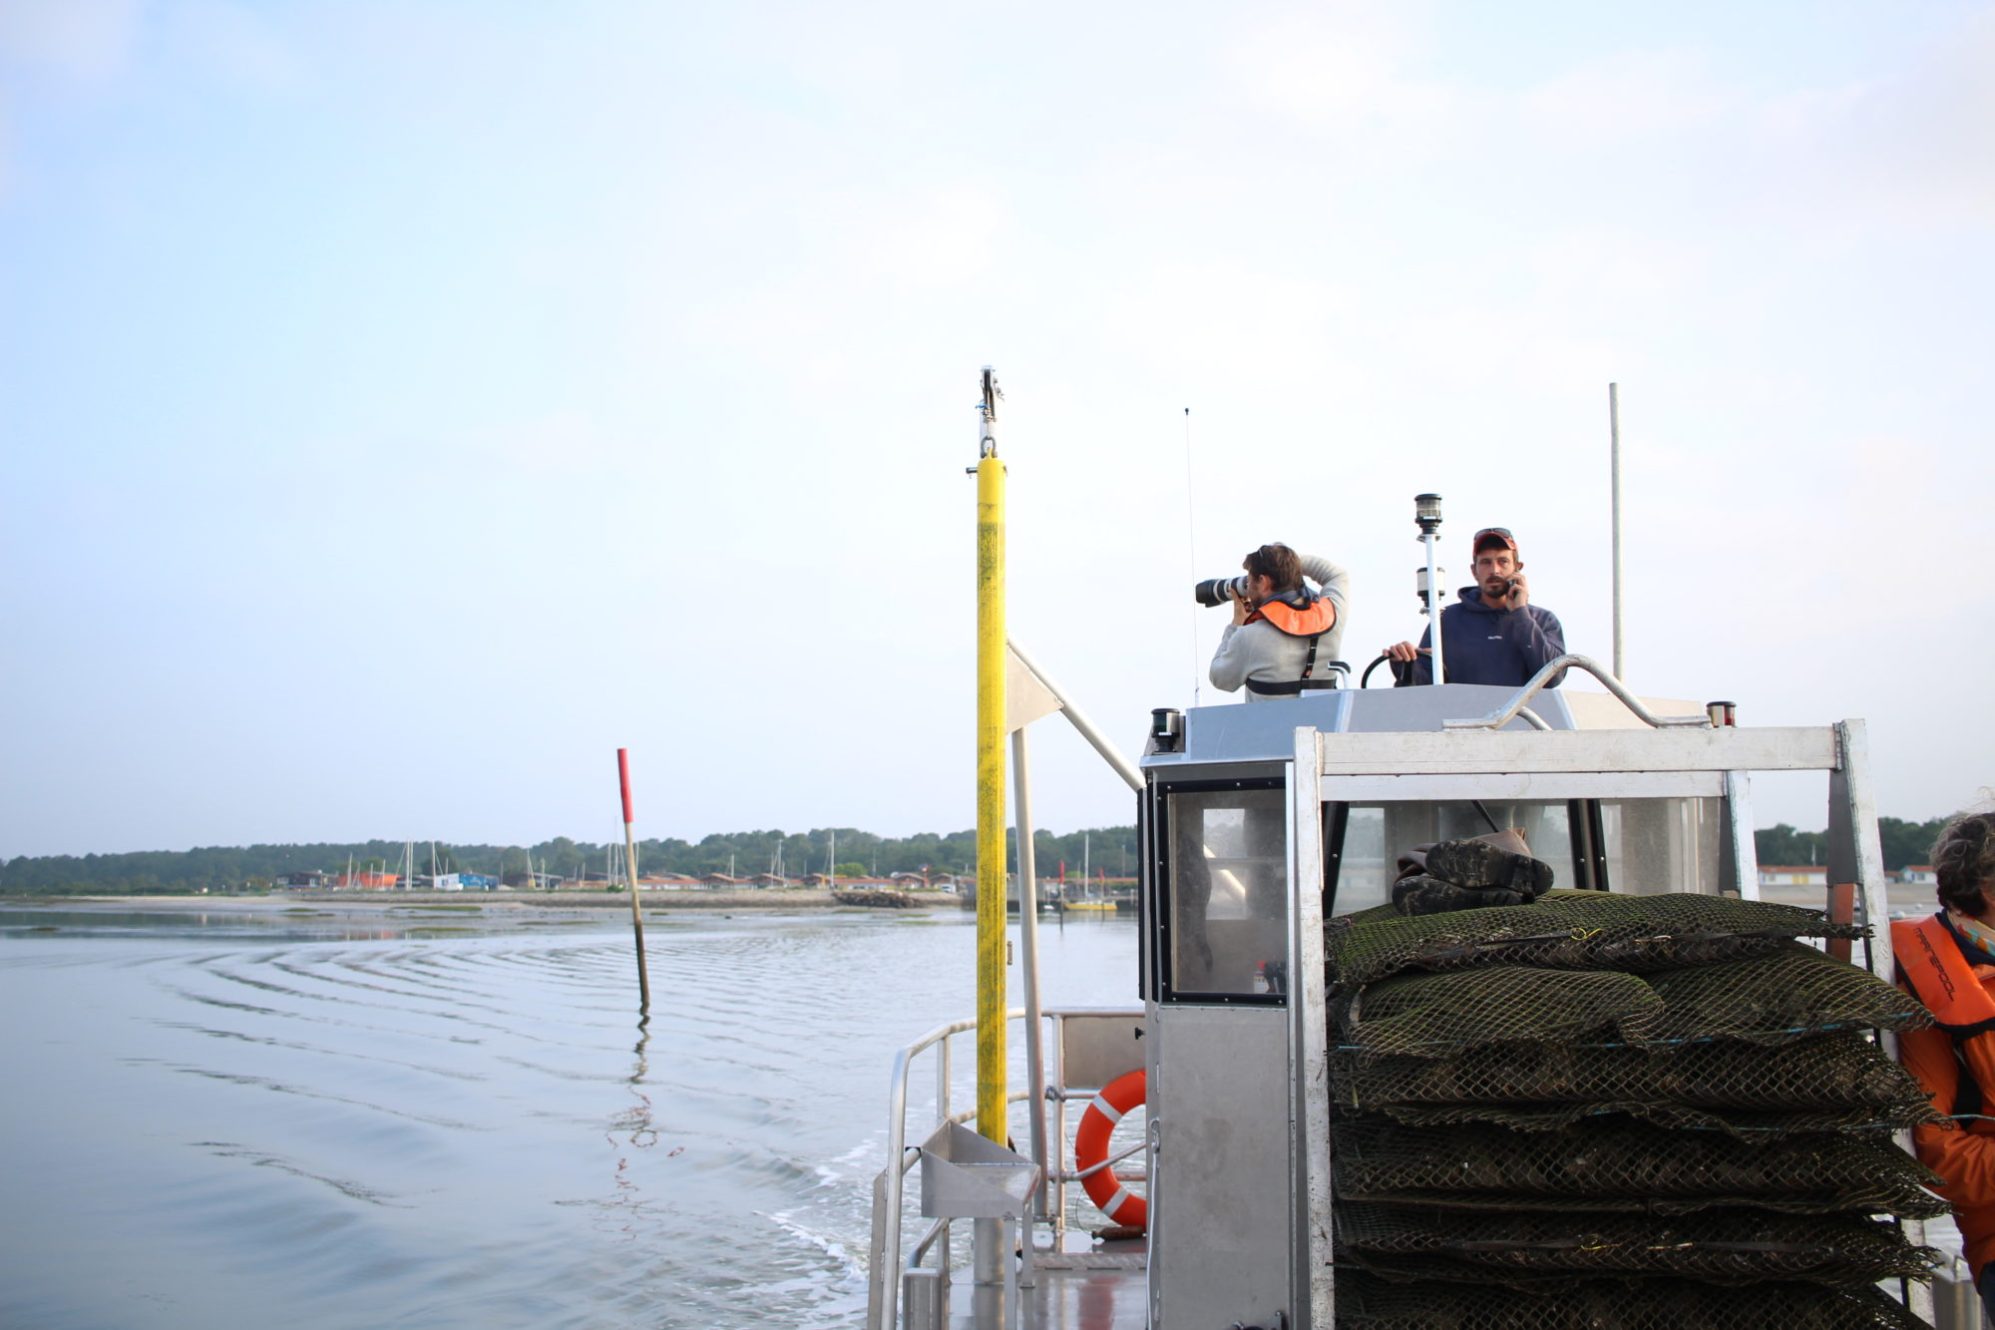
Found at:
[630, 875]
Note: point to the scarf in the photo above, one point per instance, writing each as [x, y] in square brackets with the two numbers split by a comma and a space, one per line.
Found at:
[1977, 940]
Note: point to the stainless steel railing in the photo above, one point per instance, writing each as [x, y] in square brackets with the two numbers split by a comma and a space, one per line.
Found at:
[889, 1257]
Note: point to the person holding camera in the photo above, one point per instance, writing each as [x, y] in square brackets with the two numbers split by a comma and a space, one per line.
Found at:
[1284, 637]
[1494, 634]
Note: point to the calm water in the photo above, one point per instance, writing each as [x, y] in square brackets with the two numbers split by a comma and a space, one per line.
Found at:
[306, 1122]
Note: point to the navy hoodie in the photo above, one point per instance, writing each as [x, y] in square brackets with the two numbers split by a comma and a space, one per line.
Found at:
[1487, 645]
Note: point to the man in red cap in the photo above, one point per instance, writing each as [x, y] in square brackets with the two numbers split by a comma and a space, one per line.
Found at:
[1494, 634]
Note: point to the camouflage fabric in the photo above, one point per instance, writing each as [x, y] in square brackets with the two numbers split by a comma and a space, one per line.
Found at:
[1430, 895]
[1471, 874]
[1479, 862]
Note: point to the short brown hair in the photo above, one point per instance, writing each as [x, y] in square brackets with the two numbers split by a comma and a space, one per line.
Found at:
[1277, 561]
[1964, 862]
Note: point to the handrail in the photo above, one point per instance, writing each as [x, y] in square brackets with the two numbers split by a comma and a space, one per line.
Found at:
[882, 1265]
[885, 1266]
[1503, 715]
[1109, 1162]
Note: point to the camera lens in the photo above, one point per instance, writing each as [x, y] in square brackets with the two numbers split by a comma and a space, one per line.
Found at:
[1218, 590]
[1212, 591]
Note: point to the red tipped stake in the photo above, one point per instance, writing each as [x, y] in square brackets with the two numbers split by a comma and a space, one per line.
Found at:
[630, 878]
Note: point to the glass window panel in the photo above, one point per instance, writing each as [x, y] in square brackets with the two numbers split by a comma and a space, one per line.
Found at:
[1659, 845]
[1650, 845]
[1375, 835]
[1229, 892]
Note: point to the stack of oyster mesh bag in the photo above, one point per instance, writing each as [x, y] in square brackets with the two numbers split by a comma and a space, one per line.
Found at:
[1601, 1110]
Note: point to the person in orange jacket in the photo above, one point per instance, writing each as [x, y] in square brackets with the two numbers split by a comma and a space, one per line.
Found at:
[1948, 963]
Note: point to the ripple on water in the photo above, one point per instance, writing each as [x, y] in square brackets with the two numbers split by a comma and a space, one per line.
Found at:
[458, 1132]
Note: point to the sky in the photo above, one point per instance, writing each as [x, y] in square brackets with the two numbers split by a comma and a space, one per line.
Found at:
[404, 406]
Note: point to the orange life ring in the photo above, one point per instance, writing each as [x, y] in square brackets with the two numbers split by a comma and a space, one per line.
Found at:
[1105, 1189]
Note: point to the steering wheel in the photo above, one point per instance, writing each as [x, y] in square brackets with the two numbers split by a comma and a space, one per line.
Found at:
[1365, 679]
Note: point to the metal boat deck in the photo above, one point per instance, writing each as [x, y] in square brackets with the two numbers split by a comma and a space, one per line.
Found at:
[1099, 1289]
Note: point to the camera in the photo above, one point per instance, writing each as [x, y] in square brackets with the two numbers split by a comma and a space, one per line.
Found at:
[1219, 590]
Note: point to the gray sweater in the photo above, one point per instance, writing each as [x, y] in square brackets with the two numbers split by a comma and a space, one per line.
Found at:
[1261, 651]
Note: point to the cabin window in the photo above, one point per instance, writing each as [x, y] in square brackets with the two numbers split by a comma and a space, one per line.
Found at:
[1376, 834]
[1644, 845]
[1227, 904]
[1658, 845]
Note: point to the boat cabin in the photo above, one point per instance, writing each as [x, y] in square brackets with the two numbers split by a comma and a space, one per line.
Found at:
[1259, 823]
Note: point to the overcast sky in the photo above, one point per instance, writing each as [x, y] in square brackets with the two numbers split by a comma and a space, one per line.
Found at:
[405, 405]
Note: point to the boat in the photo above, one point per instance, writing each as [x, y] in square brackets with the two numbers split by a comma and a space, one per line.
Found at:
[1088, 905]
[1083, 903]
[1267, 830]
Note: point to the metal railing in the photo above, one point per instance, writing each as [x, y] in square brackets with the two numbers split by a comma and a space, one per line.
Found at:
[1508, 712]
[890, 1258]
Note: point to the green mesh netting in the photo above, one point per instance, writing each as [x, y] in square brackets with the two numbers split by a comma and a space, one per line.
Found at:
[1612, 1164]
[1569, 930]
[1366, 1302]
[1717, 1246]
[1792, 992]
[1670, 1090]
[1438, 1015]
[1839, 1081]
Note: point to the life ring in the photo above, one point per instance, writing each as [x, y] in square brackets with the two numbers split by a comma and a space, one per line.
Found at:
[1105, 1189]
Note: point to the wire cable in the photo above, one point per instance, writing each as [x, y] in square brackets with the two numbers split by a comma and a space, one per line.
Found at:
[1191, 557]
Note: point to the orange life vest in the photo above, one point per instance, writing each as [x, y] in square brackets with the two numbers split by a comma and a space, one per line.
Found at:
[1941, 977]
[1312, 618]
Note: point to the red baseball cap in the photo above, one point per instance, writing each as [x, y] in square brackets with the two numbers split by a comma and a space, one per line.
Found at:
[1492, 536]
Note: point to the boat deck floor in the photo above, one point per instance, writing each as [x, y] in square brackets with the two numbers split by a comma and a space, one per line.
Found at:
[1103, 1288]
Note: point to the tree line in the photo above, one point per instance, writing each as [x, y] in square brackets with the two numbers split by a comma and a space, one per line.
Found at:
[1110, 850]
[1904, 843]
[744, 853]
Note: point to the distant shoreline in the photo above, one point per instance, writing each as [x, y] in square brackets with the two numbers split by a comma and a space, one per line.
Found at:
[772, 901]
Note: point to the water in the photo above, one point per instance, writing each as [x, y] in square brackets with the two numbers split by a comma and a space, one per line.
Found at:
[447, 1120]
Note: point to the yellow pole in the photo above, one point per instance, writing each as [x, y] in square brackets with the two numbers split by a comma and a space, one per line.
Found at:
[990, 779]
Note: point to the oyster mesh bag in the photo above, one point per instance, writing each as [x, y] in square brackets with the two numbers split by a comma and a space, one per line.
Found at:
[1717, 1246]
[1610, 1111]
[1791, 992]
[1839, 1081]
[1439, 1015]
[1569, 930]
[1617, 1164]
[1366, 1302]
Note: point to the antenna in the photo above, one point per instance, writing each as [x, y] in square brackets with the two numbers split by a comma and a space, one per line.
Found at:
[1191, 557]
[1614, 466]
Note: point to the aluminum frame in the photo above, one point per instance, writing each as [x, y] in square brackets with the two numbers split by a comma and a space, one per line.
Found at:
[1675, 761]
